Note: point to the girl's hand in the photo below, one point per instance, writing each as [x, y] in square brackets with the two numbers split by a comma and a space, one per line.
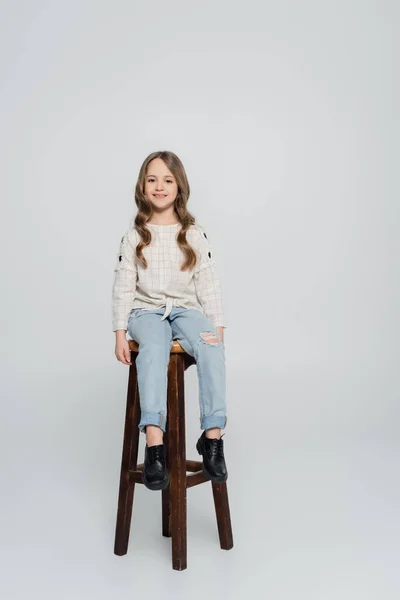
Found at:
[122, 351]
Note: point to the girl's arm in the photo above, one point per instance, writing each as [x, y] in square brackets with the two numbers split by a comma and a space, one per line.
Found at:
[207, 284]
[124, 286]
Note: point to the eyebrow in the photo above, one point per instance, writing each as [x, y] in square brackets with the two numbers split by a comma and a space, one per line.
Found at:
[156, 176]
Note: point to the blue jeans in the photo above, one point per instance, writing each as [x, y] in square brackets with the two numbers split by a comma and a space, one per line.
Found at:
[155, 339]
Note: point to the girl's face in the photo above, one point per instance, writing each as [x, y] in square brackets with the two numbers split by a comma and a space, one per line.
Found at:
[160, 187]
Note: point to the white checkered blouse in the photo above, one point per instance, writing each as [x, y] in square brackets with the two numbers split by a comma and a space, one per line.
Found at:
[162, 283]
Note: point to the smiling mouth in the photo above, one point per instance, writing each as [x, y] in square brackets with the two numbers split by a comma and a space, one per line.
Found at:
[160, 195]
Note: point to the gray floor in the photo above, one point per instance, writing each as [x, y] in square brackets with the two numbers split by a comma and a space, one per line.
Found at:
[314, 501]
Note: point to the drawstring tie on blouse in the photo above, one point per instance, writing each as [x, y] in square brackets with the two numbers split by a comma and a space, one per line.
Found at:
[168, 308]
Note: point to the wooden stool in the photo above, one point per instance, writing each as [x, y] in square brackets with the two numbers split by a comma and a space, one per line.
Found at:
[174, 496]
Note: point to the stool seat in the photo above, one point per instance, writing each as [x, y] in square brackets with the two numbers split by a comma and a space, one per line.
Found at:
[184, 474]
[176, 348]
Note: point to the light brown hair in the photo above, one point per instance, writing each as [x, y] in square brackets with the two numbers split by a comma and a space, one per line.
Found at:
[145, 209]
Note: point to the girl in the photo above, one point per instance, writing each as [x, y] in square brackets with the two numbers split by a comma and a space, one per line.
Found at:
[166, 288]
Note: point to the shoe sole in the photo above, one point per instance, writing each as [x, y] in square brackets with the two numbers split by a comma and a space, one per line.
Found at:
[161, 485]
[217, 479]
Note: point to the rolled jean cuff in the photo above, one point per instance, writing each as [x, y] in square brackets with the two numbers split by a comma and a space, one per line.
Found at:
[213, 421]
[149, 418]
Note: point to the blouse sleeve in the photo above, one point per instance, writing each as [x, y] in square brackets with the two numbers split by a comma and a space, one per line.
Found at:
[208, 288]
[124, 285]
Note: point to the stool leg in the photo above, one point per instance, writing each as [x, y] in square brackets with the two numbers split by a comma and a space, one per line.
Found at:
[129, 461]
[177, 460]
[221, 503]
[166, 496]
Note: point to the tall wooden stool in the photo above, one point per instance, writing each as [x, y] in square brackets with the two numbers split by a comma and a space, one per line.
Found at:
[174, 521]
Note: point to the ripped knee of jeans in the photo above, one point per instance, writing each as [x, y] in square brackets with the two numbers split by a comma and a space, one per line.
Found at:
[209, 338]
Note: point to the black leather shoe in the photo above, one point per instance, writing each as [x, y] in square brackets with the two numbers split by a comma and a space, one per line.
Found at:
[213, 457]
[155, 474]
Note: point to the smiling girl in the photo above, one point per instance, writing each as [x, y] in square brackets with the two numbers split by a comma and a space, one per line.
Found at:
[166, 288]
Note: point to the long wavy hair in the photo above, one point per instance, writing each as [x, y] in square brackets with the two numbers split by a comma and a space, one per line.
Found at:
[145, 209]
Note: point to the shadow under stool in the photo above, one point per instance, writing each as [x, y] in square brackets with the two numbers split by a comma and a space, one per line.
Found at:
[174, 517]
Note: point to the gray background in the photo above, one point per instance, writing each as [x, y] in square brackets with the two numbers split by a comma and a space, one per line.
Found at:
[285, 115]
